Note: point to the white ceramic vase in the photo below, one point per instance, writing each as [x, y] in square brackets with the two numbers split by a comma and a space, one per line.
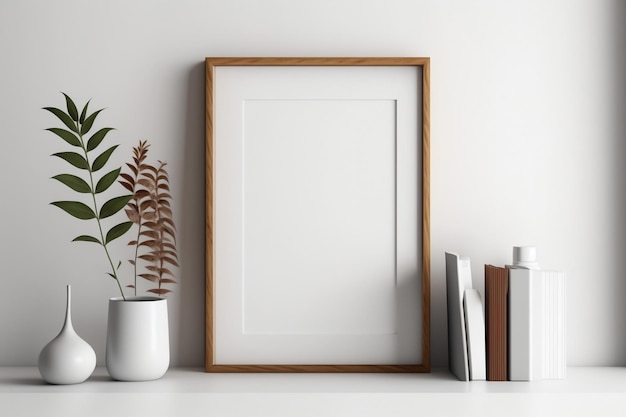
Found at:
[138, 345]
[67, 359]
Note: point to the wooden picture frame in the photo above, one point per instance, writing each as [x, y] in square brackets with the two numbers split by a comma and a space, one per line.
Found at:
[317, 215]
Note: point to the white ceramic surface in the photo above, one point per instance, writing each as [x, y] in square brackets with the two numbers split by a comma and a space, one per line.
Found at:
[525, 257]
[137, 347]
[67, 359]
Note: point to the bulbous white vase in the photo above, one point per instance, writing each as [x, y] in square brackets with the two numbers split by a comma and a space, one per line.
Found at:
[67, 359]
[138, 343]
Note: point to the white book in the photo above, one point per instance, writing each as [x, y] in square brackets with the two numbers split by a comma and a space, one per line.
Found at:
[475, 330]
[458, 279]
[521, 320]
[536, 325]
[553, 348]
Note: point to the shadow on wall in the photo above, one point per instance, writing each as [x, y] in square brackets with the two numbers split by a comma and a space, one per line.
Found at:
[618, 47]
[190, 328]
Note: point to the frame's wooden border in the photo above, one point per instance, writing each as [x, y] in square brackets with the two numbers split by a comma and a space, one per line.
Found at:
[424, 63]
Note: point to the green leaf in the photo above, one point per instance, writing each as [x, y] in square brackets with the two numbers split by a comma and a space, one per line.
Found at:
[71, 108]
[85, 238]
[73, 158]
[67, 136]
[117, 231]
[102, 159]
[74, 182]
[83, 114]
[86, 126]
[107, 180]
[114, 205]
[97, 137]
[67, 120]
[76, 209]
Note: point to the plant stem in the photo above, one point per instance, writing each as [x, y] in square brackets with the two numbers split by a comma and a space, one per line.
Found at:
[138, 155]
[161, 231]
[137, 249]
[160, 258]
[97, 213]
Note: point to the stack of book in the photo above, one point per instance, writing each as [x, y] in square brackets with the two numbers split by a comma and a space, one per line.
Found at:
[524, 323]
[466, 323]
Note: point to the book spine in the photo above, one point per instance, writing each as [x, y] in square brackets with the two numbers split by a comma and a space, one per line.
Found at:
[458, 277]
[475, 330]
[521, 324]
[496, 313]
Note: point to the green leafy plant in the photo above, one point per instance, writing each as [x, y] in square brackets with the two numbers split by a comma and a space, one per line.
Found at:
[150, 209]
[148, 206]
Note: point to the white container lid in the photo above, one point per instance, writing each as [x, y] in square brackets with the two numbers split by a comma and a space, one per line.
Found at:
[525, 257]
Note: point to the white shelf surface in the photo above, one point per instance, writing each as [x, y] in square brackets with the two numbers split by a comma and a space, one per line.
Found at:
[191, 392]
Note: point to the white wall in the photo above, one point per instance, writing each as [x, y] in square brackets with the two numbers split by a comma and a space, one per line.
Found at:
[528, 136]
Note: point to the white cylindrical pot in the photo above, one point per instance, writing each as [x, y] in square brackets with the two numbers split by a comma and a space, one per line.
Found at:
[138, 343]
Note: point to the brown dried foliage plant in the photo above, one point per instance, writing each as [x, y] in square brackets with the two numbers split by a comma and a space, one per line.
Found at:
[150, 210]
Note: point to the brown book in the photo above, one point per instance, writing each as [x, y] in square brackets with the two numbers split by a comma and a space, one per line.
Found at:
[496, 308]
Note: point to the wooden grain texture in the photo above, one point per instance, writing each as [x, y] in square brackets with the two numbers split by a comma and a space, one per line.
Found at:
[327, 61]
[496, 296]
[318, 368]
[210, 65]
[209, 262]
